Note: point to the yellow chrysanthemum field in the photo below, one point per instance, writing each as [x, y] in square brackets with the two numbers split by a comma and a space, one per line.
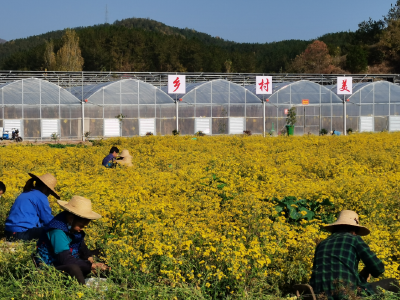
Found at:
[208, 214]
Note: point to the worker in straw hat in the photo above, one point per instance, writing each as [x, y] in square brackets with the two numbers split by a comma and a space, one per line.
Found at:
[62, 243]
[125, 158]
[335, 269]
[31, 210]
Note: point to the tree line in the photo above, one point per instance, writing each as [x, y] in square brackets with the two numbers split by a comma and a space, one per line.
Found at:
[145, 45]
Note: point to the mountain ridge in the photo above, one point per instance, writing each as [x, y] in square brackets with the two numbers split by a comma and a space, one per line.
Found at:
[120, 47]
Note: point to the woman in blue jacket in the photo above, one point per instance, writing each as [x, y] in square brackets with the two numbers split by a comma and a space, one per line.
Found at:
[31, 210]
[62, 243]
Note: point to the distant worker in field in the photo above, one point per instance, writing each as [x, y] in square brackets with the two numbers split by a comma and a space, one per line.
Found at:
[335, 132]
[110, 160]
[2, 188]
[62, 244]
[335, 268]
[125, 159]
[31, 210]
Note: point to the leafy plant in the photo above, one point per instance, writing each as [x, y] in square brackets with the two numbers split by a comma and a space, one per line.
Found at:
[87, 135]
[291, 117]
[120, 117]
[175, 132]
[323, 131]
[55, 136]
[349, 130]
[295, 210]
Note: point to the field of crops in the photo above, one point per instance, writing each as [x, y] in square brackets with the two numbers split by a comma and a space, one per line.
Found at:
[209, 217]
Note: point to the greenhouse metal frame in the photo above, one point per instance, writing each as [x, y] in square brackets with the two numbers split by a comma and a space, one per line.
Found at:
[71, 104]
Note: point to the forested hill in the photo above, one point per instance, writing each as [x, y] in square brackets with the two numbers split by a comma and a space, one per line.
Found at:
[146, 45]
[155, 26]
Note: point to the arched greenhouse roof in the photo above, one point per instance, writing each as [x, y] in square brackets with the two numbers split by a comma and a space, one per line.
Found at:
[126, 91]
[276, 86]
[217, 92]
[34, 91]
[379, 92]
[292, 93]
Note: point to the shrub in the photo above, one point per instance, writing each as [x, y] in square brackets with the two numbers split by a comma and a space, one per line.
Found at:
[323, 131]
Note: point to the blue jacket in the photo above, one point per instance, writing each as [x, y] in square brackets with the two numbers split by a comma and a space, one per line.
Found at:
[30, 209]
[108, 161]
[45, 249]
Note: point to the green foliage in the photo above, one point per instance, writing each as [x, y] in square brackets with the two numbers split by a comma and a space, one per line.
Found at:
[175, 132]
[369, 32]
[295, 210]
[55, 136]
[61, 146]
[147, 45]
[323, 131]
[357, 59]
[291, 117]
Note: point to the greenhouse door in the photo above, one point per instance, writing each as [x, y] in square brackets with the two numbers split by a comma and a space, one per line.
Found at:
[49, 127]
[203, 125]
[111, 127]
[311, 119]
[236, 125]
[394, 123]
[9, 125]
[366, 124]
[147, 125]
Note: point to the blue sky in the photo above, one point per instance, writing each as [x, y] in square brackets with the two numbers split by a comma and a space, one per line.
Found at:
[241, 21]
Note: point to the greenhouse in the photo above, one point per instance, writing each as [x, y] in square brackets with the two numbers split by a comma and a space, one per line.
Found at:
[219, 107]
[324, 108]
[69, 109]
[374, 107]
[125, 108]
[38, 109]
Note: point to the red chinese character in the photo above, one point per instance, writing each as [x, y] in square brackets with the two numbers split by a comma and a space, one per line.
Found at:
[264, 85]
[344, 86]
[177, 84]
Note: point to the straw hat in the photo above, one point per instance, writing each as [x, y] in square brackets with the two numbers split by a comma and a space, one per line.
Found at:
[126, 160]
[49, 180]
[125, 153]
[80, 206]
[349, 217]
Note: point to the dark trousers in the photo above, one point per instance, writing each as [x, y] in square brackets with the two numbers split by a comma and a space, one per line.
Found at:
[74, 271]
[30, 234]
[389, 284]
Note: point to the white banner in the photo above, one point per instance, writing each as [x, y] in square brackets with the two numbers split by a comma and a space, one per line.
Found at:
[345, 85]
[176, 84]
[263, 85]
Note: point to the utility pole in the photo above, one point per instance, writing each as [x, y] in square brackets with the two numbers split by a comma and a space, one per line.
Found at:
[106, 19]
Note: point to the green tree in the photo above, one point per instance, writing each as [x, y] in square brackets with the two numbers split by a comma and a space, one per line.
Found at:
[69, 56]
[49, 56]
[357, 59]
[393, 14]
[390, 43]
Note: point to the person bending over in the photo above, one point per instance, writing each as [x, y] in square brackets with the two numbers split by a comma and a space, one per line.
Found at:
[62, 243]
[336, 259]
[110, 160]
[31, 210]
